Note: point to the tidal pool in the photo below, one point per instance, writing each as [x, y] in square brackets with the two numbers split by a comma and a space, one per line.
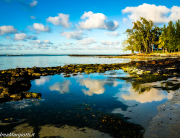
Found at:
[77, 104]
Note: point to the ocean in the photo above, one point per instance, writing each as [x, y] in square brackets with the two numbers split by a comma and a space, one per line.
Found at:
[7, 62]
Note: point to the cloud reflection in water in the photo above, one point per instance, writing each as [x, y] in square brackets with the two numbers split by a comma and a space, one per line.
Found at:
[96, 86]
[146, 96]
[42, 80]
[61, 87]
[142, 100]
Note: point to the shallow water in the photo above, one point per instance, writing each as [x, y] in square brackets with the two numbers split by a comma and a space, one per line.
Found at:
[84, 96]
[7, 62]
[76, 102]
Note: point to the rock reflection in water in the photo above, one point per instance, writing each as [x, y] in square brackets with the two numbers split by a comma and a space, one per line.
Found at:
[61, 87]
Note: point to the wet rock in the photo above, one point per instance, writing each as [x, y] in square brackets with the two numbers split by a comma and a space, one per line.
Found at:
[36, 74]
[10, 120]
[67, 76]
[32, 95]
[160, 62]
[44, 74]
[132, 63]
[26, 84]
[140, 63]
[16, 96]
[152, 62]
[74, 74]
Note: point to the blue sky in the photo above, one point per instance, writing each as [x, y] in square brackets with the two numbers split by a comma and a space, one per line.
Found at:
[75, 26]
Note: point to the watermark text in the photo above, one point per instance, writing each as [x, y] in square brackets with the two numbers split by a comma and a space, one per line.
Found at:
[18, 135]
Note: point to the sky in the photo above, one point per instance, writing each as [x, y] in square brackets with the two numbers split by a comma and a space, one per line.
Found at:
[75, 26]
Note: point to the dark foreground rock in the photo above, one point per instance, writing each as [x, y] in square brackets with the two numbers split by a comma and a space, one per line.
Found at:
[163, 66]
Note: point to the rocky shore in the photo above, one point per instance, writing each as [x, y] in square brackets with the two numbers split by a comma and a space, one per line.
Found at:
[15, 82]
[155, 55]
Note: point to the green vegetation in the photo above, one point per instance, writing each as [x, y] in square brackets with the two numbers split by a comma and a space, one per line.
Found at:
[151, 78]
[145, 36]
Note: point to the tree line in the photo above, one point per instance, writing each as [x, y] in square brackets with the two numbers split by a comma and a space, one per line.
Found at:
[145, 36]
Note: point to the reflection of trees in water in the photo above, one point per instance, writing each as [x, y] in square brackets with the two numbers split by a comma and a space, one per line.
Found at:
[138, 87]
[144, 93]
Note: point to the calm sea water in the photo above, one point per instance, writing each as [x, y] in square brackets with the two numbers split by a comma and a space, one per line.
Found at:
[63, 99]
[7, 62]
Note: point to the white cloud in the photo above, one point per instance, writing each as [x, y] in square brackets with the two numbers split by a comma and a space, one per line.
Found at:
[73, 35]
[158, 14]
[42, 46]
[40, 42]
[113, 34]
[35, 42]
[19, 45]
[59, 44]
[104, 47]
[55, 47]
[61, 19]
[125, 20]
[110, 42]
[10, 49]
[34, 3]
[175, 13]
[47, 42]
[9, 45]
[19, 48]
[73, 48]
[23, 36]
[39, 27]
[96, 21]
[28, 48]
[33, 17]
[7, 30]
[6, 46]
[86, 41]
[68, 44]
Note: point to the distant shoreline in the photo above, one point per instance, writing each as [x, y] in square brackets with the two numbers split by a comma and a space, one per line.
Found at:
[130, 55]
[105, 55]
[65, 55]
[35, 55]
